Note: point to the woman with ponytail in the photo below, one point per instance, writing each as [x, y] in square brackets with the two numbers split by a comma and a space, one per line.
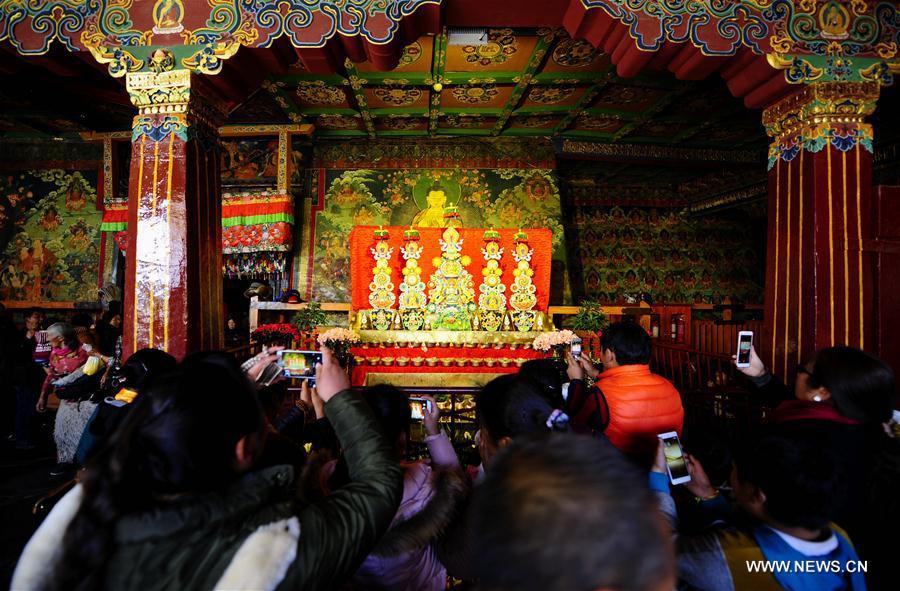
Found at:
[175, 501]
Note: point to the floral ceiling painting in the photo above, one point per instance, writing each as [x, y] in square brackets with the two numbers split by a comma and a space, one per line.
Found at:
[49, 236]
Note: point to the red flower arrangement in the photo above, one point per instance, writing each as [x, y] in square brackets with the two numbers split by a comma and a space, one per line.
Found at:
[275, 334]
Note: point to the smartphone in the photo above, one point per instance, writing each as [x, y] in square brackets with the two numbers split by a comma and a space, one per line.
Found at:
[298, 364]
[420, 407]
[745, 342]
[576, 348]
[675, 464]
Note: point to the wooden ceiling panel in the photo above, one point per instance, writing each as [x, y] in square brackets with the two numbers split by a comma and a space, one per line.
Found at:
[317, 94]
[416, 57]
[504, 51]
[553, 96]
[471, 96]
[396, 96]
[622, 97]
[571, 55]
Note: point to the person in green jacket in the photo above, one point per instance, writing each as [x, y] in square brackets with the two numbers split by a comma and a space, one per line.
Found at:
[176, 501]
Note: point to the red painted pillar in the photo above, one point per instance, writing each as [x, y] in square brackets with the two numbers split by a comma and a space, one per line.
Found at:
[173, 286]
[819, 273]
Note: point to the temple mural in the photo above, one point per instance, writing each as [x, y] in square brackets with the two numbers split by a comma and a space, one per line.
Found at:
[426, 198]
[619, 253]
[49, 236]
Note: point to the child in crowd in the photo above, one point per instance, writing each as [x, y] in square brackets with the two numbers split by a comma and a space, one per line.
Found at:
[788, 490]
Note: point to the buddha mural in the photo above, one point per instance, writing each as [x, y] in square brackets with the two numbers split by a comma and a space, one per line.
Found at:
[433, 215]
[437, 206]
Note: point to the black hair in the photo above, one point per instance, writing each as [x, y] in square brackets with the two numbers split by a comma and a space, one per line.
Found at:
[628, 341]
[391, 409]
[81, 320]
[180, 437]
[563, 512]
[861, 385]
[547, 374]
[511, 405]
[801, 479]
[143, 365]
[32, 311]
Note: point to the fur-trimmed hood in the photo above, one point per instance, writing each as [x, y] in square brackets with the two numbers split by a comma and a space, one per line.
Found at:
[418, 524]
[404, 559]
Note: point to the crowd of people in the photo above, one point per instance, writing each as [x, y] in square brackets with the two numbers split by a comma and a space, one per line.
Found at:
[196, 477]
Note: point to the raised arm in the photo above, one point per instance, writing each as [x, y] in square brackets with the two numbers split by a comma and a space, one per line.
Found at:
[338, 533]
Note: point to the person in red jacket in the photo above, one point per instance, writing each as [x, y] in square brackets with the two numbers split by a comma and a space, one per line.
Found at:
[628, 403]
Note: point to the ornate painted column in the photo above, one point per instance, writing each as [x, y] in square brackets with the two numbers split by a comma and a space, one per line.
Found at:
[819, 275]
[173, 284]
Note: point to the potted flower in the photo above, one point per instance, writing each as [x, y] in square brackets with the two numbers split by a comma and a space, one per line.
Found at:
[307, 320]
[588, 324]
[339, 340]
[282, 335]
[557, 341]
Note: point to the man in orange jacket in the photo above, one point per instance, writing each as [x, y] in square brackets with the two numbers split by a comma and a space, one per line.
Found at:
[628, 403]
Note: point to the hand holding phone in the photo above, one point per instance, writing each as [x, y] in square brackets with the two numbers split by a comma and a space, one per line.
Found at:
[299, 364]
[421, 407]
[675, 462]
[745, 344]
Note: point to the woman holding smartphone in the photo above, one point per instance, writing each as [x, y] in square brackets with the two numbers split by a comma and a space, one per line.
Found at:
[841, 400]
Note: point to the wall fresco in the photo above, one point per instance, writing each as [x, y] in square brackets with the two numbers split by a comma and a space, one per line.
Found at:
[619, 253]
[480, 198]
[49, 236]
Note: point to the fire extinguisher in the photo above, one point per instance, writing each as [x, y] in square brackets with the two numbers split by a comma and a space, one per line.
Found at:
[679, 328]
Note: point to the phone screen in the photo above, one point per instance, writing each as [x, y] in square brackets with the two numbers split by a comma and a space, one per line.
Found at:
[299, 364]
[744, 343]
[576, 348]
[675, 459]
[419, 408]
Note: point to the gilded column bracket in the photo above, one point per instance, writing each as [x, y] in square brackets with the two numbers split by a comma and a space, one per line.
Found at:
[819, 114]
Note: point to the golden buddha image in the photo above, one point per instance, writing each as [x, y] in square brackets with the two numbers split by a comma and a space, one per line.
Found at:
[168, 16]
[437, 205]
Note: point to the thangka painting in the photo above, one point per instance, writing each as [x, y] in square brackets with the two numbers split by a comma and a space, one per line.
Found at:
[619, 253]
[426, 198]
[49, 236]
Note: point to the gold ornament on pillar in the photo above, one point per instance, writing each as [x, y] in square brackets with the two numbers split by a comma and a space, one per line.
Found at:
[381, 289]
[492, 300]
[412, 290]
[523, 298]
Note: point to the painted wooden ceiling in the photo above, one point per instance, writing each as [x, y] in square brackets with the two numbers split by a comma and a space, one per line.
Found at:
[521, 82]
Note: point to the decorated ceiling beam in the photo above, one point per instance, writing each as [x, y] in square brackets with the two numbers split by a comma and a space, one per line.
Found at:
[439, 61]
[356, 83]
[200, 33]
[811, 40]
[605, 151]
[586, 100]
[289, 107]
[547, 36]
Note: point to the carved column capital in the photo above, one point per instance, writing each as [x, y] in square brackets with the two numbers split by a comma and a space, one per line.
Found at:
[821, 114]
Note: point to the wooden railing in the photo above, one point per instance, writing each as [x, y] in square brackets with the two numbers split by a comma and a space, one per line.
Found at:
[710, 336]
[712, 390]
